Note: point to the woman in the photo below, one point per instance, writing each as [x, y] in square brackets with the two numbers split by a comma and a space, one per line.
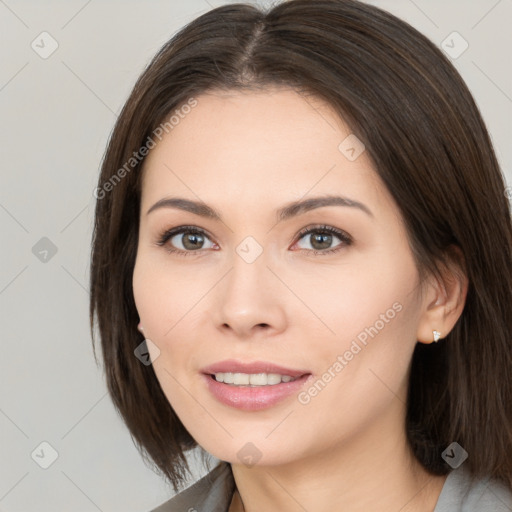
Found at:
[301, 264]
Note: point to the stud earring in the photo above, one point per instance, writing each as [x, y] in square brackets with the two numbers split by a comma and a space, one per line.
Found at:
[139, 327]
[437, 335]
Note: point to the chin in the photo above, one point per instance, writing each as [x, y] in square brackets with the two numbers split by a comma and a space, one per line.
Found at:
[252, 451]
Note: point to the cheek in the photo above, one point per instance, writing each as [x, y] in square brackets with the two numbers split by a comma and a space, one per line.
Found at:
[160, 303]
[374, 319]
[146, 290]
[166, 300]
[161, 296]
[364, 372]
[354, 298]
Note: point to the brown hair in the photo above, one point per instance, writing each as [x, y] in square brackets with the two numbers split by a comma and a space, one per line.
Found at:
[403, 98]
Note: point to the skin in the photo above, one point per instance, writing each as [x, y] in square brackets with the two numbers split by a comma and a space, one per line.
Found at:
[246, 155]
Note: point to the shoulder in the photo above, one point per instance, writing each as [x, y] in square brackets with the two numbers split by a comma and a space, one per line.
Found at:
[464, 494]
[212, 493]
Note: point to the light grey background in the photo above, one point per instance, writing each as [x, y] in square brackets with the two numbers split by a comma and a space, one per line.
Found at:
[57, 113]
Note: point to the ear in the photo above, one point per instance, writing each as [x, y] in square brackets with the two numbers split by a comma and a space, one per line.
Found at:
[444, 299]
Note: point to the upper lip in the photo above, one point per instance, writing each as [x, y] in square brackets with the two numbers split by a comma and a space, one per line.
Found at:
[233, 366]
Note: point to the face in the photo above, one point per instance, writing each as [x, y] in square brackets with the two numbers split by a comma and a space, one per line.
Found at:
[327, 296]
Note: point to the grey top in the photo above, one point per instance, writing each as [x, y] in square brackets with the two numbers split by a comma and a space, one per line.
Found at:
[213, 493]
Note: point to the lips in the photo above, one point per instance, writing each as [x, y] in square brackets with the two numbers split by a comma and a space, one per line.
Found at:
[233, 366]
[248, 397]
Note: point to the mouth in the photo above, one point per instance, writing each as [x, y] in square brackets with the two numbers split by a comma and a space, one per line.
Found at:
[253, 386]
[252, 379]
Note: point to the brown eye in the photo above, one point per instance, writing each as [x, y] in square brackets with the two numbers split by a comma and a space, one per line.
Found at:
[321, 239]
[189, 240]
[185, 240]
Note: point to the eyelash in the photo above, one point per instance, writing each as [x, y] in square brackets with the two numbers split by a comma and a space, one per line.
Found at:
[346, 239]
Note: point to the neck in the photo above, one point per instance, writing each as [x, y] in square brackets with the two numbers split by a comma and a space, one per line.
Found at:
[372, 470]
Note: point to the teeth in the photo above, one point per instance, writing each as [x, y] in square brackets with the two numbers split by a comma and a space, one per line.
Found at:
[253, 379]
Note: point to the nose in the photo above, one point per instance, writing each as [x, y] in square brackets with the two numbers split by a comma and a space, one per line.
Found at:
[250, 300]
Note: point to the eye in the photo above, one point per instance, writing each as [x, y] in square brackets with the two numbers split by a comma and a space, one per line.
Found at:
[184, 240]
[321, 238]
[187, 240]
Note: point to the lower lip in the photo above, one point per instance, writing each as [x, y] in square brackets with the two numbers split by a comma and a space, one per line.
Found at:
[253, 398]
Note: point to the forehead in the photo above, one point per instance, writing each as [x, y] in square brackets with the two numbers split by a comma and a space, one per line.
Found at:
[274, 145]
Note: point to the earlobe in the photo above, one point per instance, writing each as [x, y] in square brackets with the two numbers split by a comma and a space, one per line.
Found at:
[140, 328]
[444, 301]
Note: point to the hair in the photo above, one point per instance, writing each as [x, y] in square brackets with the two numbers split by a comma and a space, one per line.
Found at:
[428, 143]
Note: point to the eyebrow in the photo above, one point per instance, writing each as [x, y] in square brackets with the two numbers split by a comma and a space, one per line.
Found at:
[289, 210]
